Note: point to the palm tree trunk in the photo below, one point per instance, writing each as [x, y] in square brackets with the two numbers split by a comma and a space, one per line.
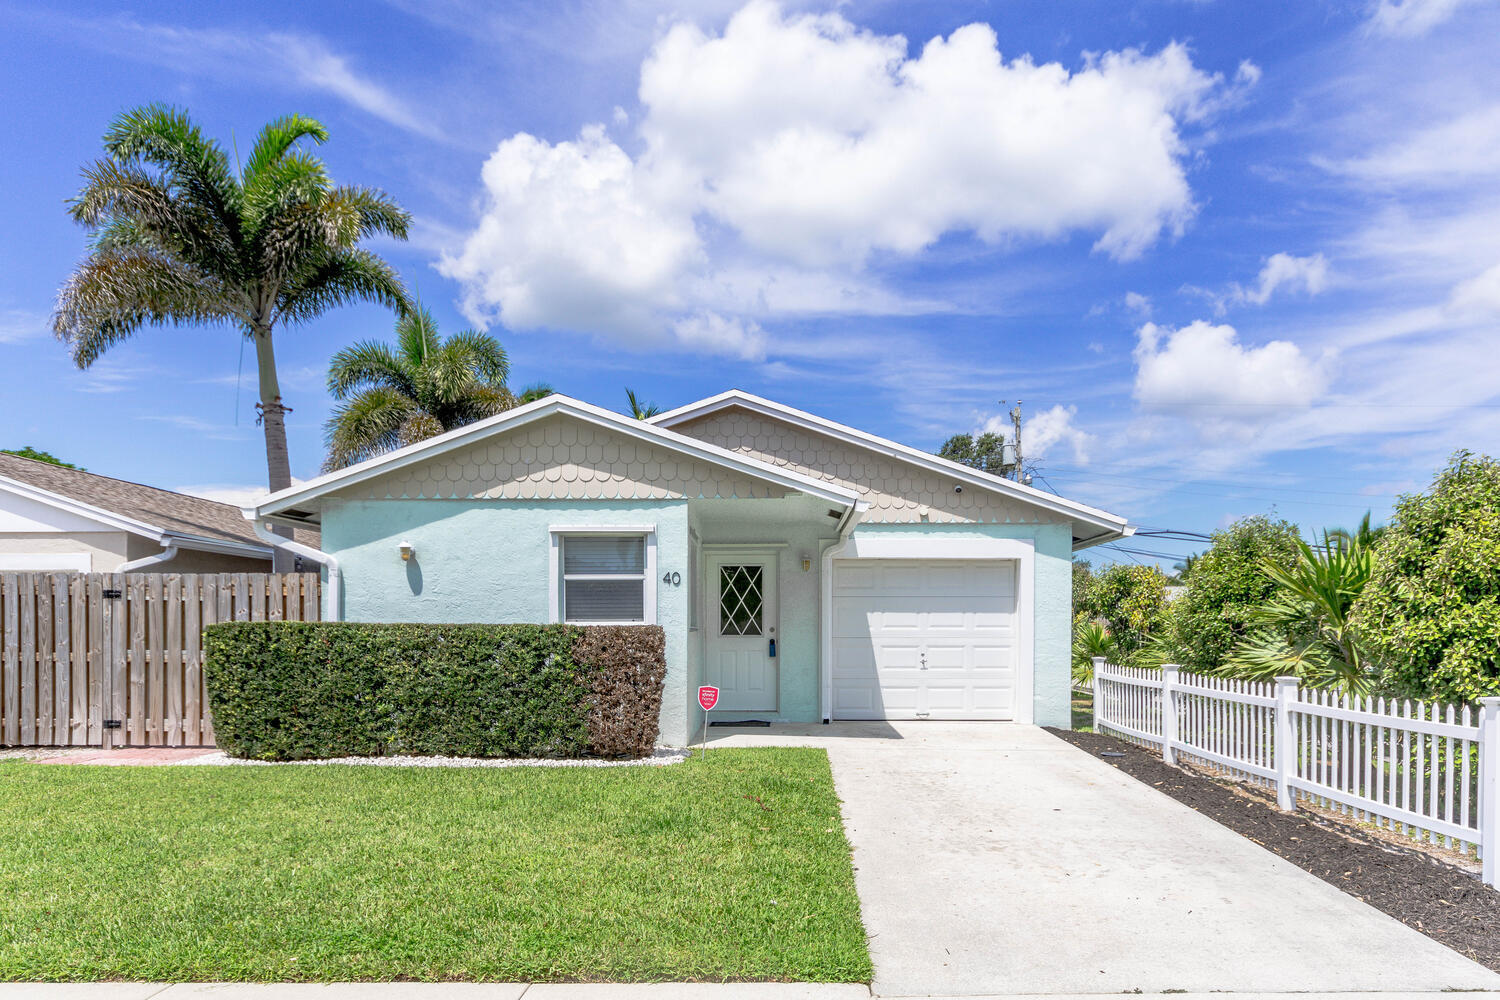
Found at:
[273, 422]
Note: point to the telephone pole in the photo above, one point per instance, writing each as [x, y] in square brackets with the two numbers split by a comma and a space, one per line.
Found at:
[1015, 423]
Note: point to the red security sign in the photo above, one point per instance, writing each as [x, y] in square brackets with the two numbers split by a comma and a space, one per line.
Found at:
[708, 697]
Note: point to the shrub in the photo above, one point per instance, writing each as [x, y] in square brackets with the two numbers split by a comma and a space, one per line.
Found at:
[1225, 587]
[304, 690]
[1431, 609]
[1130, 600]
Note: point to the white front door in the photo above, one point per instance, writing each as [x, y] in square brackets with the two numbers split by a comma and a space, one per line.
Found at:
[926, 639]
[742, 636]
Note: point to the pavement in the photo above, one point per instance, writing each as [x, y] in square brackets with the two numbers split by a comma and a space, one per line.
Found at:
[995, 859]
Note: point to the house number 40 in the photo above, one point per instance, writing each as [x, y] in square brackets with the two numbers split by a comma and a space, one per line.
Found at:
[672, 579]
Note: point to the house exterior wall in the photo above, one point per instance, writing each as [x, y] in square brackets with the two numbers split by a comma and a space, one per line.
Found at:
[1052, 589]
[487, 561]
[897, 490]
[105, 549]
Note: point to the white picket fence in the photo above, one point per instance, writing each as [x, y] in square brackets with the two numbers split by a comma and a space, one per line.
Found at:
[1427, 770]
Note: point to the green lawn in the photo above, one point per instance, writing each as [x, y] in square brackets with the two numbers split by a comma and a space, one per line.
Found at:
[1083, 712]
[734, 868]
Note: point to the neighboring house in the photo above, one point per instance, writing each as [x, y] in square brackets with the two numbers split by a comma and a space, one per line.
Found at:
[54, 519]
[809, 570]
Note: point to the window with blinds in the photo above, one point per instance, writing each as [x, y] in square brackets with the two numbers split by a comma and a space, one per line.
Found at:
[604, 578]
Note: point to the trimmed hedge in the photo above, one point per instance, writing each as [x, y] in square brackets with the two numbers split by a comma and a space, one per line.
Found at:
[306, 690]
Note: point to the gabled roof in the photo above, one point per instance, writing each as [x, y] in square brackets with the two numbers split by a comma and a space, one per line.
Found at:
[1097, 525]
[300, 502]
[157, 514]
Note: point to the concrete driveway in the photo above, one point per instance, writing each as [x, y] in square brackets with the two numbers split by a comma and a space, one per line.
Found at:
[997, 859]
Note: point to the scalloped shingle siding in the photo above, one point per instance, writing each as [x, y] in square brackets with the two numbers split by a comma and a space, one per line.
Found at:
[561, 459]
[895, 489]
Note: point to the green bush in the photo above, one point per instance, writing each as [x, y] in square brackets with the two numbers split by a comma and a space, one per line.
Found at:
[1225, 587]
[305, 690]
[1431, 609]
[1130, 600]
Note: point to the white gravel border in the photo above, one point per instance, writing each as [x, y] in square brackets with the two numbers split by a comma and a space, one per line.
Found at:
[217, 758]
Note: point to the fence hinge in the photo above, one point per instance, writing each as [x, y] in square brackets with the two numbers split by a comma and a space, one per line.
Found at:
[112, 594]
[111, 723]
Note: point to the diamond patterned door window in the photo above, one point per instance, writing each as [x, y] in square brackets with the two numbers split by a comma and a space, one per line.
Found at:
[740, 600]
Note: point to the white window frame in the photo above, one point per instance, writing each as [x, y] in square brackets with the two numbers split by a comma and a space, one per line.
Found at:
[558, 532]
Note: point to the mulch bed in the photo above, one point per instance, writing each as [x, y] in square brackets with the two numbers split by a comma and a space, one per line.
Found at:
[1444, 902]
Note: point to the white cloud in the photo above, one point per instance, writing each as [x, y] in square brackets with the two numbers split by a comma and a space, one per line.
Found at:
[1479, 295]
[231, 493]
[1448, 153]
[1410, 18]
[277, 57]
[718, 335]
[802, 142]
[1285, 271]
[17, 325]
[1138, 304]
[1205, 364]
[1043, 433]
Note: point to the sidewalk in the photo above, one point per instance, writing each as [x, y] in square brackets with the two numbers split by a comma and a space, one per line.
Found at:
[567, 991]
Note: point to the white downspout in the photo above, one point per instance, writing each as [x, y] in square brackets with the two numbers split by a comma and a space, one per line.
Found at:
[168, 550]
[825, 612]
[334, 591]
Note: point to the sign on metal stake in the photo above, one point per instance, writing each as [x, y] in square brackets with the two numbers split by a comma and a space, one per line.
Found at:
[708, 697]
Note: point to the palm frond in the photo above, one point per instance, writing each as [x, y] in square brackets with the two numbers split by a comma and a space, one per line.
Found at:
[534, 392]
[275, 139]
[417, 337]
[367, 424]
[116, 291]
[639, 411]
[197, 167]
[341, 278]
[368, 364]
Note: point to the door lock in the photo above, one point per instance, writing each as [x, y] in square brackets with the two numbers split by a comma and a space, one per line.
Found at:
[924, 659]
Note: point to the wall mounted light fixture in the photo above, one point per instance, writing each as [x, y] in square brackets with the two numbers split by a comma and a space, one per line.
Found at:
[407, 550]
[806, 562]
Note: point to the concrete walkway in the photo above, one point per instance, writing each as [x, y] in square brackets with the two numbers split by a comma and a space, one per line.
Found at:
[996, 859]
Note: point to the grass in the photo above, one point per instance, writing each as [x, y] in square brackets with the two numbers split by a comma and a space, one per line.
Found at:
[733, 868]
[1083, 712]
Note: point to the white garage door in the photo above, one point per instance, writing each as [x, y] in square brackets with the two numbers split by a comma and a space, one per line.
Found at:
[924, 639]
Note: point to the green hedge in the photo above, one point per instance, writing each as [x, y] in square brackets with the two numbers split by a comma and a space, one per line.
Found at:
[306, 690]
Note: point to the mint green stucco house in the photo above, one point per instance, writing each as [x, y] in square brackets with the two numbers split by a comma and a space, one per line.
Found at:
[809, 570]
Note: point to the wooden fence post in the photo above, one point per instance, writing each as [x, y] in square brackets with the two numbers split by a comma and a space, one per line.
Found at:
[1169, 713]
[1489, 790]
[1098, 667]
[1286, 751]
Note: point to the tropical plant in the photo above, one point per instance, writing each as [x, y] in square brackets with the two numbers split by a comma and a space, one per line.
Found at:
[1225, 586]
[179, 235]
[534, 392]
[1131, 603]
[1181, 569]
[1431, 609]
[36, 455]
[985, 452]
[1304, 629]
[395, 395]
[638, 410]
[1090, 640]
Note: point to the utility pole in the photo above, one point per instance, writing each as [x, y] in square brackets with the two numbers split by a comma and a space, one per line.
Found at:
[1015, 423]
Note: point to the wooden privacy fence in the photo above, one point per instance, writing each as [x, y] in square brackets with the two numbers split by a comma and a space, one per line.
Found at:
[1426, 770]
[112, 659]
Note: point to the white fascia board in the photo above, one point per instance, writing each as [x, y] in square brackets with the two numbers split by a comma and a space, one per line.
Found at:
[521, 416]
[1114, 524]
[106, 517]
[222, 546]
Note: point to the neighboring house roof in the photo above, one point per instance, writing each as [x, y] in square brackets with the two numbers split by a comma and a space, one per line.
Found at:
[301, 503]
[161, 515]
[1091, 526]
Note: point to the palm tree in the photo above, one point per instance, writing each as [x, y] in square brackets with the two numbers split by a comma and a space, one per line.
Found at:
[1304, 628]
[639, 411]
[179, 236]
[392, 396]
[534, 392]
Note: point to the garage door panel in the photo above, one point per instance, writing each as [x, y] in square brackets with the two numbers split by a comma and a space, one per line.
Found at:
[924, 639]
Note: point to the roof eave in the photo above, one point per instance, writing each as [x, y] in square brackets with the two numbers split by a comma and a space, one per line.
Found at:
[306, 493]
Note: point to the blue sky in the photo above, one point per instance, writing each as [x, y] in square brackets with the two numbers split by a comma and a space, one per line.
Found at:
[1234, 257]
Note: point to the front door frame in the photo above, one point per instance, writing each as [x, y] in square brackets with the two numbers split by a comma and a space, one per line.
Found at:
[768, 554]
